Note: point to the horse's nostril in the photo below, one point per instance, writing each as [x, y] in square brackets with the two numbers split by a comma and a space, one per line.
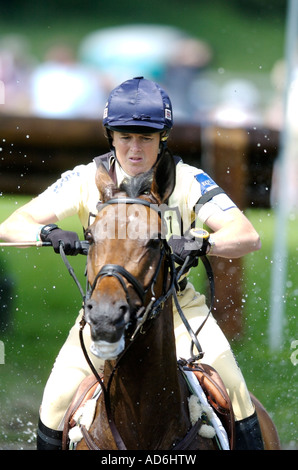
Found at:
[116, 314]
[124, 309]
[89, 305]
[120, 317]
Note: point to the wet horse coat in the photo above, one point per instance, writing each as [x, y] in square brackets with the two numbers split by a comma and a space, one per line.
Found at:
[148, 396]
[145, 400]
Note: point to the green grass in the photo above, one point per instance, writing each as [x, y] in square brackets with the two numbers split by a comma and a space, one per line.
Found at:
[271, 375]
[45, 303]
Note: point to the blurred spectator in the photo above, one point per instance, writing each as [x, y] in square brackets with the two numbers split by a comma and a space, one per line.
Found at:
[238, 105]
[281, 115]
[63, 88]
[156, 52]
[184, 68]
[274, 114]
[66, 86]
[129, 51]
[16, 64]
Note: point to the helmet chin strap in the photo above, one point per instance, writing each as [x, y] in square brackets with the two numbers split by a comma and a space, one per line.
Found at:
[110, 140]
[163, 143]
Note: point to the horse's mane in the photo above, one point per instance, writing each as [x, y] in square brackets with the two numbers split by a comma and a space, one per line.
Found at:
[137, 185]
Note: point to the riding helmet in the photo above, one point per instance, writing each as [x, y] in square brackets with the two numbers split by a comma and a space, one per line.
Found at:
[138, 106]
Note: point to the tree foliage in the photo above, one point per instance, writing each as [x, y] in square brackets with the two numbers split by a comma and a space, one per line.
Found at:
[31, 11]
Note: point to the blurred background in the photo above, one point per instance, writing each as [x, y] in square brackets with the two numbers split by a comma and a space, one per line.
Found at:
[228, 56]
[224, 66]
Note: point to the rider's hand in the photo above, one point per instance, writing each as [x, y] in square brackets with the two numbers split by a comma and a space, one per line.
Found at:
[190, 246]
[56, 236]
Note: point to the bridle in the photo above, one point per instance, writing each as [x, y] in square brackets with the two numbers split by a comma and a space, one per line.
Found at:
[121, 274]
[145, 313]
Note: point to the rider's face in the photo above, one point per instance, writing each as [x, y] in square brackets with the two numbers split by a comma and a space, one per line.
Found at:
[136, 153]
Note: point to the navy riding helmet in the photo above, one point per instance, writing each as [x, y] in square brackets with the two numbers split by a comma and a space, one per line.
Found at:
[139, 106]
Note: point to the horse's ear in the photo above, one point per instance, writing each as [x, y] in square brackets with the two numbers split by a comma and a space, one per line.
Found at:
[164, 178]
[104, 182]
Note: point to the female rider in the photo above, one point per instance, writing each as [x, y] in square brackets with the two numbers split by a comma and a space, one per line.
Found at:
[138, 119]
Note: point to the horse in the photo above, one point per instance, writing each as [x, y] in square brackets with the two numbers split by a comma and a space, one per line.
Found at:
[144, 403]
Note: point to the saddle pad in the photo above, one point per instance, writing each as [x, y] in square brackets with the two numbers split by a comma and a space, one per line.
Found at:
[217, 396]
[84, 393]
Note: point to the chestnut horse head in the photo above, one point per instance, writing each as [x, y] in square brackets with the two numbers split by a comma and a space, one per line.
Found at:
[126, 254]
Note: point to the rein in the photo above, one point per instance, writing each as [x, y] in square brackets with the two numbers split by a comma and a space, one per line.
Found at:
[149, 312]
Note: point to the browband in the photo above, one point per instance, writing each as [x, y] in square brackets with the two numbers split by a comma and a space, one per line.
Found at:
[128, 200]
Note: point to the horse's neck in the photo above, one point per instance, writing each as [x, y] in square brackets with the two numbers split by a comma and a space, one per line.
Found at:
[148, 376]
[152, 354]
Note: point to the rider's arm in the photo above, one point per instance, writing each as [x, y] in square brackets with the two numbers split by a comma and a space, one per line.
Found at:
[62, 199]
[234, 236]
[24, 224]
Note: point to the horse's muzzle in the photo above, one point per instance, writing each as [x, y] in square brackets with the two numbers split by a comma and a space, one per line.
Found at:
[107, 319]
[107, 351]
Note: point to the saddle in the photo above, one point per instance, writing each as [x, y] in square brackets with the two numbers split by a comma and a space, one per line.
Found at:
[217, 397]
[208, 378]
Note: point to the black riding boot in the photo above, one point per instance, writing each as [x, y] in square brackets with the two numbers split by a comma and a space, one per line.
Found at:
[248, 434]
[48, 439]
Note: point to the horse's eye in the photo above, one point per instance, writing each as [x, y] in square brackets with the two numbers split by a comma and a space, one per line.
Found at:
[89, 236]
